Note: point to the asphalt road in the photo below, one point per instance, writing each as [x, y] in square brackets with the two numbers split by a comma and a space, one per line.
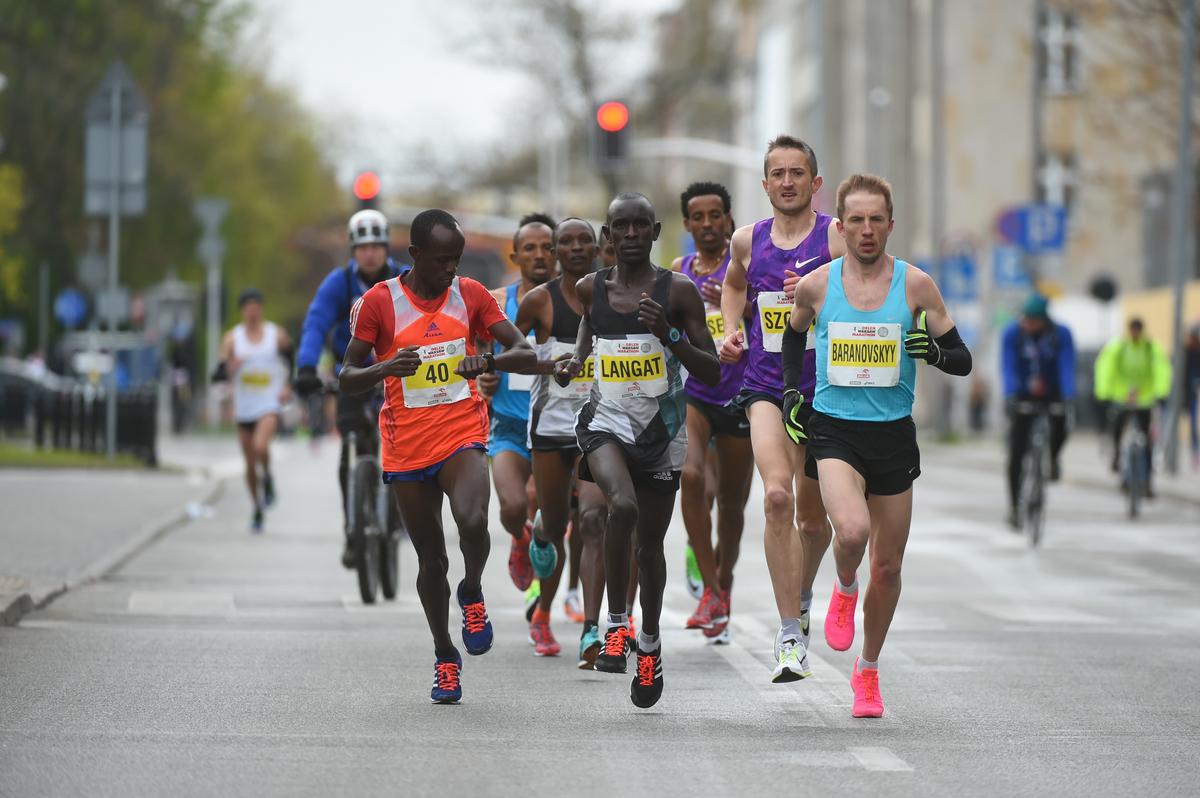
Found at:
[217, 662]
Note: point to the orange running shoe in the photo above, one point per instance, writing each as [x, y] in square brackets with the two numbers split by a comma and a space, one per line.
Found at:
[520, 569]
[544, 644]
[573, 606]
[710, 612]
[839, 619]
[865, 684]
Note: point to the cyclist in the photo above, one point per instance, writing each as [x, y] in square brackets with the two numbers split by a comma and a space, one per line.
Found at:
[1037, 362]
[1133, 373]
[330, 313]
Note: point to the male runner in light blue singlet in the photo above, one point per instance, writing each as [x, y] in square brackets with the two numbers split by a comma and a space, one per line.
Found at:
[861, 439]
[533, 253]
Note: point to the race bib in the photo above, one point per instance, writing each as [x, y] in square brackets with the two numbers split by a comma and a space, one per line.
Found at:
[716, 324]
[255, 380]
[435, 382]
[631, 368]
[579, 388]
[523, 382]
[863, 355]
[773, 312]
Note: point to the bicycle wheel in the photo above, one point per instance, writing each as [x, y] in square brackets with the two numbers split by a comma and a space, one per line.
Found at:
[389, 546]
[1035, 503]
[1135, 465]
[364, 528]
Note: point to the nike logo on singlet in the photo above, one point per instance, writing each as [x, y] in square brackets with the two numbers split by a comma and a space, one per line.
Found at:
[800, 265]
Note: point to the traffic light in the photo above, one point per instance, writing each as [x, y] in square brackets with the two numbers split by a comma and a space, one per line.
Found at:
[366, 189]
[611, 139]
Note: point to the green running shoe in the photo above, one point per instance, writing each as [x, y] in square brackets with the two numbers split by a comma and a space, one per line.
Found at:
[695, 583]
[544, 557]
[531, 599]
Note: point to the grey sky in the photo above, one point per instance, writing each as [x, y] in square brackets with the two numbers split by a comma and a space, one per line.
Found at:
[390, 82]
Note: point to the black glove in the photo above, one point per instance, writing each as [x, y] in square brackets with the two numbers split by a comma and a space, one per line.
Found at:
[220, 373]
[307, 382]
[795, 416]
[920, 344]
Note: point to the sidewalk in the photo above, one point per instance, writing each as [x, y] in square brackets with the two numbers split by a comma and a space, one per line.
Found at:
[1084, 463]
[65, 527]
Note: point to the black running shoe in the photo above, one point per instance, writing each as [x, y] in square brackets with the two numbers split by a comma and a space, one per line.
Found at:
[648, 681]
[613, 652]
[268, 490]
[256, 523]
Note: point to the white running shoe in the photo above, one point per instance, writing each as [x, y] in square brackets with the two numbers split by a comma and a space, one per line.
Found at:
[792, 662]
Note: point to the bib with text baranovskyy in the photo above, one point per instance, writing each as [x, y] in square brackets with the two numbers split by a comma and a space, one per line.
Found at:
[631, 368]
[579, 388]
[435, 382]
[863, 355]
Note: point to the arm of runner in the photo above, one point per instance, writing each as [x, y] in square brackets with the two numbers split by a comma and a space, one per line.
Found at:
[567, 369]
[518, 356]
[227, 364]
[695, 349]
[733, 295]
[934, 339]
[533, 314]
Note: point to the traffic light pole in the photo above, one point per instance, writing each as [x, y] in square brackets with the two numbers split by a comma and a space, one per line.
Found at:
[114, 248]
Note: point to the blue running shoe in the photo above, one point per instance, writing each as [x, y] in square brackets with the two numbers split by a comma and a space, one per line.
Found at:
[543, 556]
[589, 647]
[447, 680]
[476, 628]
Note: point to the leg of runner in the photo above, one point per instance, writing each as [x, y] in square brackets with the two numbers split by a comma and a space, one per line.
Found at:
[844, 492]
[245, 435]
[696, 505]
[464, 478]
[572, 601]
[891, 519]
[420, 506]
[776, 457]
[815, 535]
[264, 433]
[510, 474]
[590, 531]
[553, 482]
[609, 469]
[735, 465]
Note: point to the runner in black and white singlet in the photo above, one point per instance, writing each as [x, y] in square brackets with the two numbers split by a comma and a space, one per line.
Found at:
[253, 357]
[647, 323]
[553, 312]
[766, 260]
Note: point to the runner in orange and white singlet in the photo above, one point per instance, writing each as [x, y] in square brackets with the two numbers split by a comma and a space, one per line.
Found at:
[433, 427]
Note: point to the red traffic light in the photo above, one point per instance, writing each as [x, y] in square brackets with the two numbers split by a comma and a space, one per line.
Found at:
[612, 116]
[366, 186]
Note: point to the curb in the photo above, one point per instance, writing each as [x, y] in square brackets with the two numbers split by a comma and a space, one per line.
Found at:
[15, 606]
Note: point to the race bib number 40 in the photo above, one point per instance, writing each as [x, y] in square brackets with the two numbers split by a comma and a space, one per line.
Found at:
[631, 368]
[579, 388]
[773, 312]
[435, 382]
[863, 355]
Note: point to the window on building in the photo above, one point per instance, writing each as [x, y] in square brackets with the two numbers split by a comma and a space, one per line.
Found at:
[1058, 51]
[1057, 179]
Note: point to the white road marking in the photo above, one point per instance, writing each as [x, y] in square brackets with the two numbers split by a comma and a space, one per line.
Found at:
[879, 758]
[1036, 614]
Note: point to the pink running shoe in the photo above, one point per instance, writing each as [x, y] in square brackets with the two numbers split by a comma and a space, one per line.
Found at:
[839, 619]
[520, 569]
[865, 684]
[710, 612]
[544, 644]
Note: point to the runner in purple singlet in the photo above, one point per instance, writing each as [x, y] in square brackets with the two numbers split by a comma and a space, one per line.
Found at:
[766, 261]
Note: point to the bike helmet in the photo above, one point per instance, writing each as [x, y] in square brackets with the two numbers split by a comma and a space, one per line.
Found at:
[368, 227]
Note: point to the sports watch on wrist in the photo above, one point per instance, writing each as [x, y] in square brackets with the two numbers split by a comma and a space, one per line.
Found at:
[490, 357]
[674, 336]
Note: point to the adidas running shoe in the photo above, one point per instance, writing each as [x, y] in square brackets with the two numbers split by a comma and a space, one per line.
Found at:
[476, 628]
[614, 653]
[647, 684]
[447, 680]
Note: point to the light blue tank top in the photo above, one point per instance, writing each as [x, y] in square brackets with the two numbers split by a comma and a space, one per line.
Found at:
[509, 402]
[863, 347]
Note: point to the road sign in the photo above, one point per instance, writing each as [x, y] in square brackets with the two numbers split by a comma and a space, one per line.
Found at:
[113, 304]
[70, 307]
[1008, 272]
[1036, 228]
[129, 168]
[959, 279]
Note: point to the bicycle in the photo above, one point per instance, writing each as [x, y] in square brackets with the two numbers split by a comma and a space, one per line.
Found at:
[1135, 466]
[1031, 505]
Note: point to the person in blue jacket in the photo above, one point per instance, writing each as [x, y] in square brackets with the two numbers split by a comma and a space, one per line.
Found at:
[1037, 362]
[328, 321]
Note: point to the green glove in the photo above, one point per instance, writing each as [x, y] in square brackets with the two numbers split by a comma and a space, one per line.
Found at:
[794, 416]
[919, 344]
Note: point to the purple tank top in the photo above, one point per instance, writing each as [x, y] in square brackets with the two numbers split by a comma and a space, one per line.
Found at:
[764, 363]
[731, 375]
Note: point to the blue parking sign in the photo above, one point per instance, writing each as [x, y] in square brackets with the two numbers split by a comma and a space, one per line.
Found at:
[1008, 272]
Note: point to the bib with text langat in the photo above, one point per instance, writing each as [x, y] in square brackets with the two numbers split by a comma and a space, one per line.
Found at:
[863, 355]
[435, 382]
[631, 368]
[578, 388]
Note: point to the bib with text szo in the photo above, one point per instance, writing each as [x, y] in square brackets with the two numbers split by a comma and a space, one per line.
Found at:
[773, 312]
[631, 368]
[581, 386]
[863, 355]
[435, 382]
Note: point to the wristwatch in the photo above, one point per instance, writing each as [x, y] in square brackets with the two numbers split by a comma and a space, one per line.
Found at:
[674, 336]
[491, 362]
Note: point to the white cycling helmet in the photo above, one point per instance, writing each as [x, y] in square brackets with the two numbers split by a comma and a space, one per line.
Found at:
[368, 227]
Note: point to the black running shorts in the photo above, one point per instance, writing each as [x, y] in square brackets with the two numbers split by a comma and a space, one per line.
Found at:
[724, 420]
[885, 453]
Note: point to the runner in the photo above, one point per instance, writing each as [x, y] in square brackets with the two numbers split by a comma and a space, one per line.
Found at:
[533, 254]
[706, 208]
[862, 440]
[768, 257]
[328, 320]
[252, 355]
[553, 312]
[648, 322]
[422, 328]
